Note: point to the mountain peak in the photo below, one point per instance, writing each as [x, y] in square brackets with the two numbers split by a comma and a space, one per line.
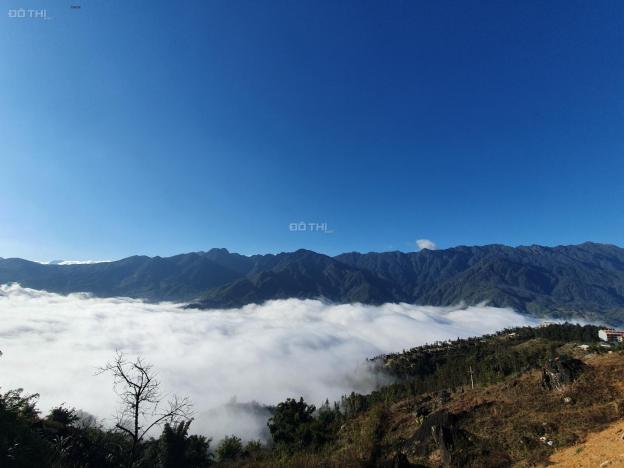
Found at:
[220, 250]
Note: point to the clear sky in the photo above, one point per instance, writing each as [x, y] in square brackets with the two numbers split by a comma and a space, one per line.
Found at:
[152, 127]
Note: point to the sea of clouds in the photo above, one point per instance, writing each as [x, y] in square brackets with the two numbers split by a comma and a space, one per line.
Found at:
[52, 344]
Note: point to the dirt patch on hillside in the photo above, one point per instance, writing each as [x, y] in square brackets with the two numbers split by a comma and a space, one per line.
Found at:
[600, 450]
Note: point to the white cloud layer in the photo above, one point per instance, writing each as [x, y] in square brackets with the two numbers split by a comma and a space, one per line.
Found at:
[52, 345]
[426, 244]
[74, 262]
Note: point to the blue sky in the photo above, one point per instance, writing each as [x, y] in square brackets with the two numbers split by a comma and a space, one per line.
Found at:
[152, 127]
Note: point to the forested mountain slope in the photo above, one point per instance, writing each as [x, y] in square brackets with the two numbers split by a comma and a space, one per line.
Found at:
[585, 280]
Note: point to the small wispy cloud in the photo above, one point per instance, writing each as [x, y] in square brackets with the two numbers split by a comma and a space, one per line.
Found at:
[426, 244]
[74, 262]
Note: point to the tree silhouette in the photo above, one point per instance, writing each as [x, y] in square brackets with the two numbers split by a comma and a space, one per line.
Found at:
[142, 404]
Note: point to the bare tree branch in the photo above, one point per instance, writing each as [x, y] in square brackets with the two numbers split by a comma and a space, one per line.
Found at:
[140, 396]
[119, 426]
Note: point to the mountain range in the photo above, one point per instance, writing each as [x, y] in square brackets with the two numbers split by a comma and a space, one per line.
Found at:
[580, 281]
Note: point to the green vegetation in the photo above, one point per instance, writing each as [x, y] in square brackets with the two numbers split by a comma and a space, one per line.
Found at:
[295, 425]
[490, 358]
[431, 410]
[230, 448]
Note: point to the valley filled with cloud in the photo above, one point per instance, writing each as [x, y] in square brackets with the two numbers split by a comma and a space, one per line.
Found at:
[53, 344]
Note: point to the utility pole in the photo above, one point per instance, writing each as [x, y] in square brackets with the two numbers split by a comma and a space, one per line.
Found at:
[471, 379]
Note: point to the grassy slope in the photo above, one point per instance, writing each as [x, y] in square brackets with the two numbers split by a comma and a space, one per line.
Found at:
[514, 422]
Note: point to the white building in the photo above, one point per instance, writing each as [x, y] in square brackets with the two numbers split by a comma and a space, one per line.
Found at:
[610, 334]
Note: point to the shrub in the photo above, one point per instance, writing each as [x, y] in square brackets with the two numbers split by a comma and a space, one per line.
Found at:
[230, 448]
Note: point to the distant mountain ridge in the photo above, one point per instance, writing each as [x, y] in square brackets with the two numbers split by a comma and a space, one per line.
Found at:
[582, 281]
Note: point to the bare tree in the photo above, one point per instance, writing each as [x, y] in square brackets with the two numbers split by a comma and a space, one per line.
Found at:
[143, 406]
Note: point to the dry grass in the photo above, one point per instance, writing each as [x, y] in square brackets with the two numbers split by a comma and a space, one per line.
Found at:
[599, 450]
[510, 423]
[519, 419]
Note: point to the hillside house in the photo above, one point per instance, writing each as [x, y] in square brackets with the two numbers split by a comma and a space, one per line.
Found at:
[611, 335]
